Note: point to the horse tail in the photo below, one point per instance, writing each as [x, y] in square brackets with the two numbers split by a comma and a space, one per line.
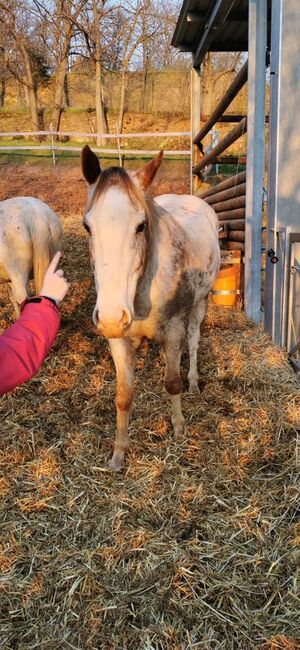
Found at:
[45, 235]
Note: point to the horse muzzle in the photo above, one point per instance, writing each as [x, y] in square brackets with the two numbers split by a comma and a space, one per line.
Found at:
[113, 328]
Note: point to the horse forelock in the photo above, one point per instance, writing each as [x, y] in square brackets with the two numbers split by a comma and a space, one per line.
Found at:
[119, 178]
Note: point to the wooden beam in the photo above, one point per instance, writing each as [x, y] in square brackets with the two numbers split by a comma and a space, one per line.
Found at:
[236, 235]
[229, 182]
[231, 204]
[228, 215]
[239, 130]
[235, 190]
[236, 85]
[235, 246]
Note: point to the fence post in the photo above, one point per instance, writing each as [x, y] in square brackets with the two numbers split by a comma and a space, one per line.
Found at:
[52, 144]
[121, 159]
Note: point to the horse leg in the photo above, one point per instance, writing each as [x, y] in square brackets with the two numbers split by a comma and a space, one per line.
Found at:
[196, 317]
[173, 344]
[123, 354]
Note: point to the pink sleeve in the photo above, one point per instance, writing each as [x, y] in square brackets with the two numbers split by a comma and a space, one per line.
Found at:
[24, 345]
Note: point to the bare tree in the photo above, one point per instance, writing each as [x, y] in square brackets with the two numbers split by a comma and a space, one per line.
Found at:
[21, 52]
[61, 18]
[90, 23]
[137, 27]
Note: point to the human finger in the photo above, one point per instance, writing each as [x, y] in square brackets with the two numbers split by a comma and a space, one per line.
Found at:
[60, 273]
[54, 262]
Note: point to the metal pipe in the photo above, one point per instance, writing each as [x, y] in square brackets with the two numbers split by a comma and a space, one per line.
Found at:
[236, 85]
[239, 130]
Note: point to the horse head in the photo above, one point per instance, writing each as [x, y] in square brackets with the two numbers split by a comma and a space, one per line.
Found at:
[118, 222]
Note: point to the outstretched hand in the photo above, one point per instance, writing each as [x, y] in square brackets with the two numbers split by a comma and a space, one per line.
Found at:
[54, 284]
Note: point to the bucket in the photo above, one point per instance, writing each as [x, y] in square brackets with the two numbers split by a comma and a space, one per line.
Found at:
[225, 288]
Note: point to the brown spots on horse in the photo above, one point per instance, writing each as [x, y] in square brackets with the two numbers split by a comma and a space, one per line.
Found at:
[124, 398]
[173, 385]
[183, 298]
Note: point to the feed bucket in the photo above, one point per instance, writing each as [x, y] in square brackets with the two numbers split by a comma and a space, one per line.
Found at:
[225, 288]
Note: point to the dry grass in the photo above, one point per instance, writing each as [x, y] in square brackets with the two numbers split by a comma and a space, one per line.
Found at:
[196, 543]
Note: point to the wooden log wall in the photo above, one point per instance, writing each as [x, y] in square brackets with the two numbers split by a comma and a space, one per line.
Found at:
[228, 199]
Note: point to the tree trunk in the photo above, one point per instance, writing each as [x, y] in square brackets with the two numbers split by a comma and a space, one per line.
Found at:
[59, 93]
[122, 99]
[101, 124]
[2, 91]
[66, 91]
[207, 86]
[143, 90]
[30, 85]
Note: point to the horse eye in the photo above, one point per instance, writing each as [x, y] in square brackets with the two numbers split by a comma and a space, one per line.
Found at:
[141, 227]
[87, 228]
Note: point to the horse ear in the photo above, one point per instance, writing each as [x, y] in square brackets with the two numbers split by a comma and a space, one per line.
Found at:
[90, 165]
[146, 174]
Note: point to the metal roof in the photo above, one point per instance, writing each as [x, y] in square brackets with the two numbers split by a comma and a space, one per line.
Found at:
[213, 26]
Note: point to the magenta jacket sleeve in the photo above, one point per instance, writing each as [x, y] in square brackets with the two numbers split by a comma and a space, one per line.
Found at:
[24, 345]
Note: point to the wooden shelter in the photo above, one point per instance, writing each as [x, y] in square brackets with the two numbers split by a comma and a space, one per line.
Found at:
[267, 30]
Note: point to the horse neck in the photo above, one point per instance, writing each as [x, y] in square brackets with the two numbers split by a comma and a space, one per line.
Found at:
[163, 232]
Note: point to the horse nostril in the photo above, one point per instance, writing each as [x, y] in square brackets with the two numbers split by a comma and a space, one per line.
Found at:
[95, 316]
[126, 318]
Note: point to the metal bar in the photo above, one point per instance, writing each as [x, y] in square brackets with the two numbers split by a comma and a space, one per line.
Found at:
[257, 39]
[235, 190]
[239, 130]
[236, 85]
[230, 182]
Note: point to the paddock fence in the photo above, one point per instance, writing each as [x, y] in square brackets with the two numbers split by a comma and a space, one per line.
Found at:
[48, 142]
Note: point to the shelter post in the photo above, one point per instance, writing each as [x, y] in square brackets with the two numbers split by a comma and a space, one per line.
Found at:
[195, 124]
[257, 38]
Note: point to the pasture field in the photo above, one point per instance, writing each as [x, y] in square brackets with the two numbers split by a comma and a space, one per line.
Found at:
[196, 543]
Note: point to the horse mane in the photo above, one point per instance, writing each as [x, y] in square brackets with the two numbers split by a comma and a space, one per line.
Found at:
[119, 177]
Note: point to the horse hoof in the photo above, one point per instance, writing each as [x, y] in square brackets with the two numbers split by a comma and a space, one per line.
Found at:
[116, 464]
[194, 388]
[178, 428]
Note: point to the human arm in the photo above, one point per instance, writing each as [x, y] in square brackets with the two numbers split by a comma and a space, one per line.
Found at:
[24, 345]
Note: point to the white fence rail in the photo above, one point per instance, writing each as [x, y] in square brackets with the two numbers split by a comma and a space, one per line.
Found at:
[121, 152]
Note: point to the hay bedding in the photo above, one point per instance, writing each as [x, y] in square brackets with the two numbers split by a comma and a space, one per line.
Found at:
[196, 544]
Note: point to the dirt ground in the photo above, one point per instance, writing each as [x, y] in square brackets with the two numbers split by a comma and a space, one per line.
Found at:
[195, 545]
[63, 187]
